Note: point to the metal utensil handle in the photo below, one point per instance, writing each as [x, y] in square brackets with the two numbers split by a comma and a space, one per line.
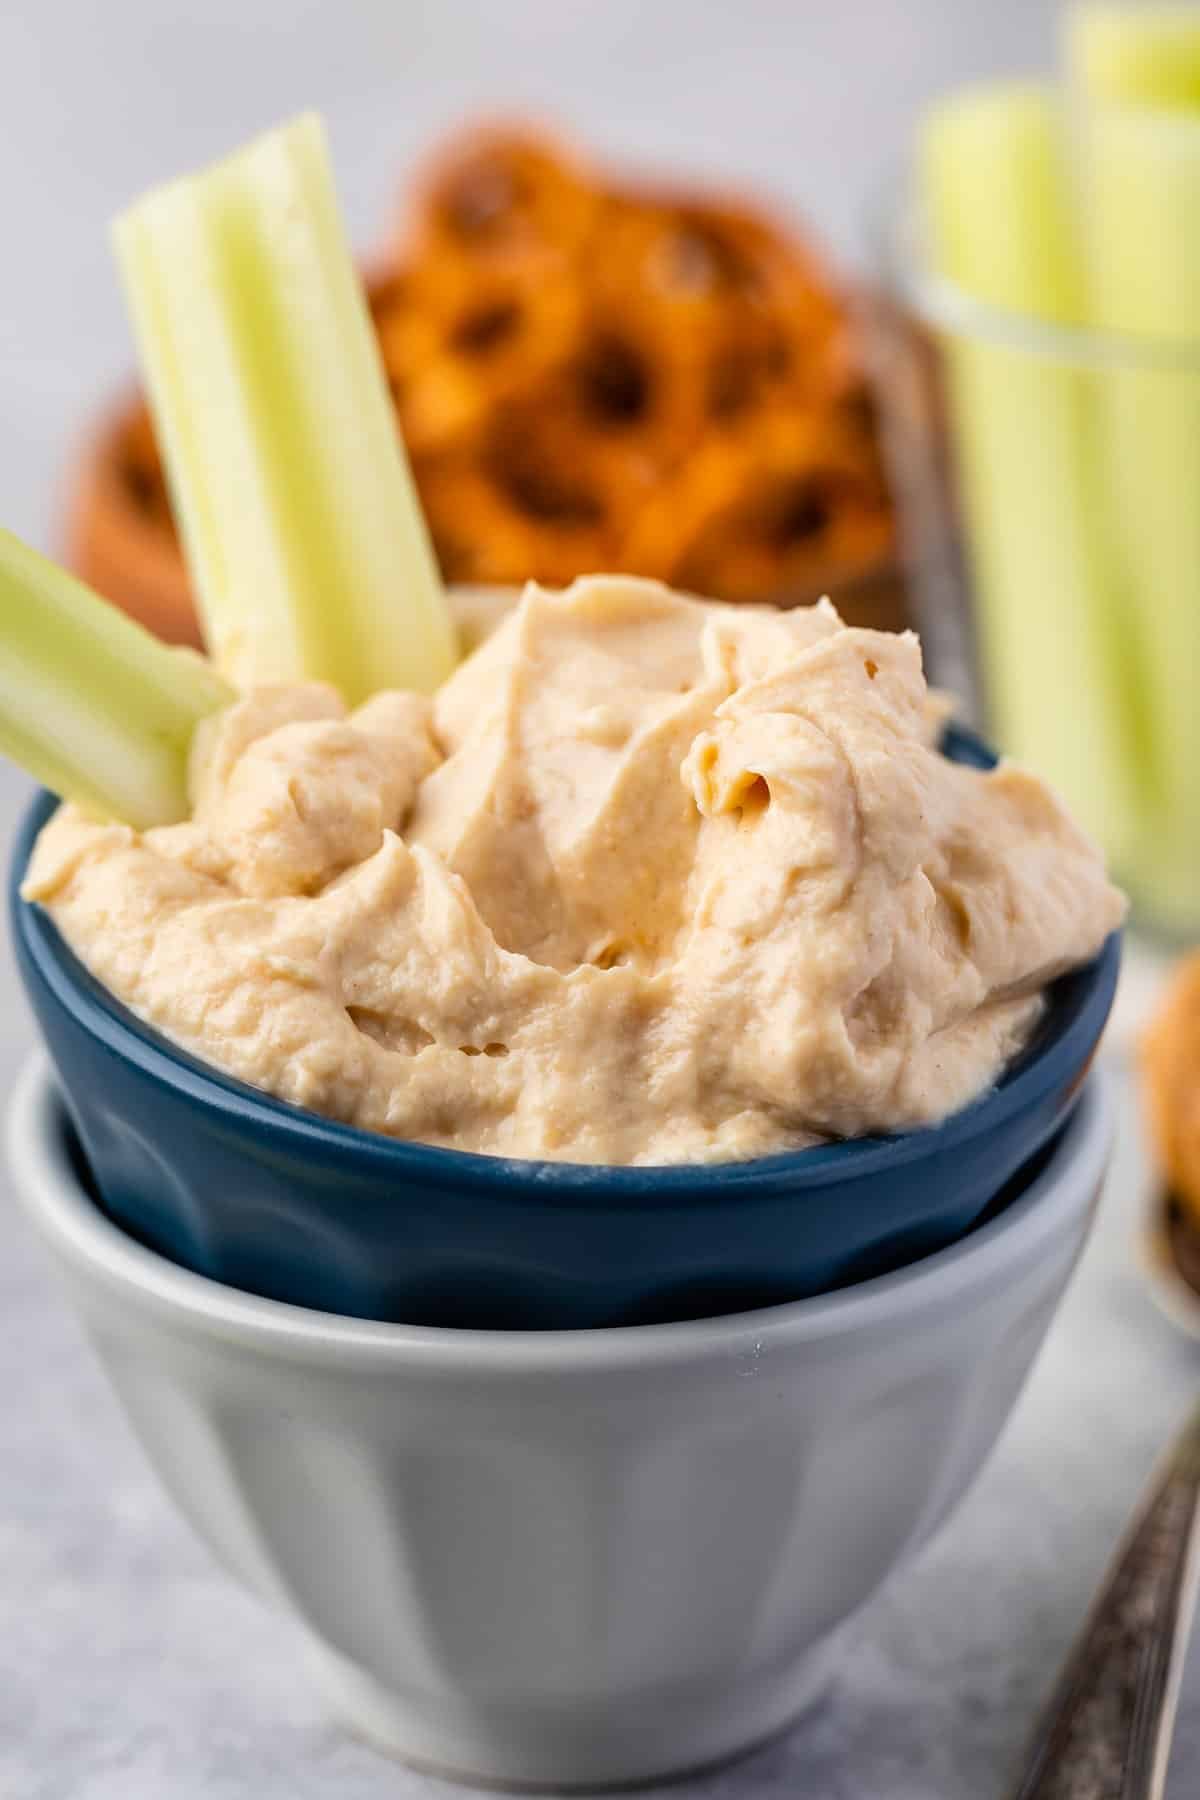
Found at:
[1106, 1734]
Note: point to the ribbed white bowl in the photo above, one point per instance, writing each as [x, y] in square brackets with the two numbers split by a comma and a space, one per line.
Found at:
[569, 1558]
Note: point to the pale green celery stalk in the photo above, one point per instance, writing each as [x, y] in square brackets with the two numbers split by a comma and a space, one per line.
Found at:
[1134, 75]
[90, 704]
[299, 517]
[997, 210]
[1143, 54]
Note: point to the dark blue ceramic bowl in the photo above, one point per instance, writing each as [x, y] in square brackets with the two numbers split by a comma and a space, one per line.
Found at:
[264, 1196]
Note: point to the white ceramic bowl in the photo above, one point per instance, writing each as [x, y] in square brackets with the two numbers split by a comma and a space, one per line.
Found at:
[568, 1558]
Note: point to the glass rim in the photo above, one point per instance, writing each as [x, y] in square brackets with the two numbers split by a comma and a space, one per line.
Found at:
[943, 305]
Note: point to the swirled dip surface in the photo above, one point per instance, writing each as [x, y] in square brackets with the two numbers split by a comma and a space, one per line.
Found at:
[650, 879]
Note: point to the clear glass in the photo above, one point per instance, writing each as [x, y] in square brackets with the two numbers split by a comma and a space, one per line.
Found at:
[1048, 480]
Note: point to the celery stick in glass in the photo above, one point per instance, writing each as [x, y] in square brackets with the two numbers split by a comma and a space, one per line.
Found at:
[1140, 183]
[1145, 54]
[995, 197]
[997, 209]
[90, 703]
[300, 521]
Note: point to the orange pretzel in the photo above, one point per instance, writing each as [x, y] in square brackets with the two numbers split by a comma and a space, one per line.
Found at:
[593, 369]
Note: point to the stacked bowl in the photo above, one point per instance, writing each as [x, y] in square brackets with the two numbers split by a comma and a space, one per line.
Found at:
[566, 1475]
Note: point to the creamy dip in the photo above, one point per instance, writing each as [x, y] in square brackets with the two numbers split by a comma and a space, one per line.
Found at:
[649, 880]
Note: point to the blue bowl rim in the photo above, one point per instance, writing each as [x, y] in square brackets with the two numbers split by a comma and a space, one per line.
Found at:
[1063, 1054]
[982, 1260]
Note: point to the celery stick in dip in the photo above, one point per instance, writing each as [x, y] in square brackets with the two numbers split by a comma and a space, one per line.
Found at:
[297, 509]
[90, 703]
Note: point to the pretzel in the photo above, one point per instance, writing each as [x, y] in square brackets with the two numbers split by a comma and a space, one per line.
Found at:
[662, 381]
[793, 511]
[500, 194]
[463, 340]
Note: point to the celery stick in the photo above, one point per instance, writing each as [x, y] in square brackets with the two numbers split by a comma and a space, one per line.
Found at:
[297, 509]
[91, 704]
[1143, 54]
[997, 208]
[995, 196]
[1140, 175]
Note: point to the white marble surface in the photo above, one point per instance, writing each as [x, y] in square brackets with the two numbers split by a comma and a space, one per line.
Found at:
[129, 1668]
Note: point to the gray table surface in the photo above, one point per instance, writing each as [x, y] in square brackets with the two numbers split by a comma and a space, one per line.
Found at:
[130, 1669]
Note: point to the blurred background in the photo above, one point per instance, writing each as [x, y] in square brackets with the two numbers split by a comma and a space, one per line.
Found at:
[803, 102]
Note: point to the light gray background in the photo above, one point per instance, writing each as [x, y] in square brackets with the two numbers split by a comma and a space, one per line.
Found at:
[130, 1669]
